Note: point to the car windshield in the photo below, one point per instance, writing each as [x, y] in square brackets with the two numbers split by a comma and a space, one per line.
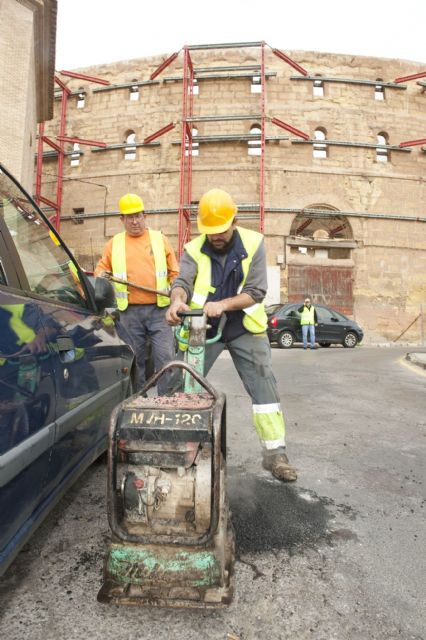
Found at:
[49, 270]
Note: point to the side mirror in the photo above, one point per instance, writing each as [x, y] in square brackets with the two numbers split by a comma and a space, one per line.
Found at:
[104, 294]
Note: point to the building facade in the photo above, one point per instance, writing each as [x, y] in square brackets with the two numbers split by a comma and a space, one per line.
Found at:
[312, 146]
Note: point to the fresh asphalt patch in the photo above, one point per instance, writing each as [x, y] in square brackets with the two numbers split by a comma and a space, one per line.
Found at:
[269, 515]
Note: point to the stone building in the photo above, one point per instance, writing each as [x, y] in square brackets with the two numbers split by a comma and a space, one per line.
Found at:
[27, 64]
[343, 216]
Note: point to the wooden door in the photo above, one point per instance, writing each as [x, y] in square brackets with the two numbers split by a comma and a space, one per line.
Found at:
[331, 286]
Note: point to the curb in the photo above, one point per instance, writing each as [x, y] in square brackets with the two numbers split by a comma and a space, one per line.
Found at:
[418, 359]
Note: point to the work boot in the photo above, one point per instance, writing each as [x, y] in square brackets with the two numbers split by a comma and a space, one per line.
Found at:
[277, 463]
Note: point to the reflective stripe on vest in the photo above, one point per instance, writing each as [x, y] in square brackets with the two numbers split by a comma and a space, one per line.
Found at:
[307, 316]
[268, 420]
[255, 319]
[118, 259]
[24, 333]
[74, 271]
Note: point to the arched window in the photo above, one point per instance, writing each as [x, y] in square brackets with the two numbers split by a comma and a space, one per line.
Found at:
[382, 154]
[255, 145]
[134, 91]
[81, 98]
[320, 235]
[75, 156]
[256, 84]
[130, 149]
[318, 88]
[195, 150]
[379, 90]
[319, 147]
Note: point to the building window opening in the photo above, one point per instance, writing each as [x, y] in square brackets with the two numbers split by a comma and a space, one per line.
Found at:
[319, 147]
[256, 84]
[320, 235]
[134, 91]
[255, 144]
[81, 99]
[130, 148]
[78, 214]
[75, 156]
[382, 154]
[318, 89]
[195, 147]
[195, 87]
[379, 91]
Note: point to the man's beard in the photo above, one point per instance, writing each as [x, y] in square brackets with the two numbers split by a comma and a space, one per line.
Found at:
[224, 248]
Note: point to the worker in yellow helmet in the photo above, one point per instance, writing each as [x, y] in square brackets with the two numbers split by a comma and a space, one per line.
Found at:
[144, 257]
[224, 271]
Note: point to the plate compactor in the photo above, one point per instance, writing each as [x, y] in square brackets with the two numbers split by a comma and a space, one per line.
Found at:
[172, 540]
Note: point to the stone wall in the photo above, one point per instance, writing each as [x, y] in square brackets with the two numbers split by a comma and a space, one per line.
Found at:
[27, 54]
[378, 200]
[17, 83]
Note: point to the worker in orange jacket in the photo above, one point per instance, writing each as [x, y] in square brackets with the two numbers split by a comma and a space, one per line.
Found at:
[144, 257]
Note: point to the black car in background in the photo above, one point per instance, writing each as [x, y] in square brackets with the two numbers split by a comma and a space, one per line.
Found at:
[333, 327]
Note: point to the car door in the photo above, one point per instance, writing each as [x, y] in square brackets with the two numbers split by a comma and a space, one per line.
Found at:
[329, 329]
[86, 365]
[27, 409]
[290, 319]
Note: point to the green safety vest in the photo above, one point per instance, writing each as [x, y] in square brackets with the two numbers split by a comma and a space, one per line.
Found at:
[24, 333]
[255, 319]
[307, 316]
[118, 259]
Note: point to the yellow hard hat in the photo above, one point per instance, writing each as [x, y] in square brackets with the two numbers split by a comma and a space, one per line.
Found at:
[216, 211]
[130, 203]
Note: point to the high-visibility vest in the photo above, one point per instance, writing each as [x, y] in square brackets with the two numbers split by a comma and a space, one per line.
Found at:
[255, 319]
[119, 269]
[24, 333]
[307, 316]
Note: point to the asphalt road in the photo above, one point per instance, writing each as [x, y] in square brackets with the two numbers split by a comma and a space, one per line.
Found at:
[338, 555]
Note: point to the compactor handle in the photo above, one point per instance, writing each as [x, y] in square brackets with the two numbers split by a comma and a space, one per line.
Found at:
[198, 313]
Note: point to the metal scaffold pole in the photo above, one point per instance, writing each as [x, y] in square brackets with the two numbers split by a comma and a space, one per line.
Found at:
[262, 141]
[60, 147]
[186, 152]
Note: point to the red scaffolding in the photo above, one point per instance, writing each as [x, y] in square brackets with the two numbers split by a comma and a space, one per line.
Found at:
[189, 75]
[56, 205]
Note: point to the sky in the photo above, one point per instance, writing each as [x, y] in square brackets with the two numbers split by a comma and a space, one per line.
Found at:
[91, 32]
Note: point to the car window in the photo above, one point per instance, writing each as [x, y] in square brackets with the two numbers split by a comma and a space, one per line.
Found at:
[272, 308]
[49, 270]
[290, 312]
[3, 279]
[340, 316]
[324, 315]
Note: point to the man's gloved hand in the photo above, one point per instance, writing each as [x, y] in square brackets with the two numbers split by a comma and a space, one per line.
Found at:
[105, 274]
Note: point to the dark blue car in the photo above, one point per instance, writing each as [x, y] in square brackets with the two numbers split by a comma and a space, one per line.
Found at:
[333, 327]
[63, 367]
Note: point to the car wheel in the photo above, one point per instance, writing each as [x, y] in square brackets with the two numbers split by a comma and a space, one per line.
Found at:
[324, 344]
[285, 340]
[350, 340]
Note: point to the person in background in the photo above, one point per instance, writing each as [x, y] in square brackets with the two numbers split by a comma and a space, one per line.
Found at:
[308, 321]
[223, 271]
[145, 257]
